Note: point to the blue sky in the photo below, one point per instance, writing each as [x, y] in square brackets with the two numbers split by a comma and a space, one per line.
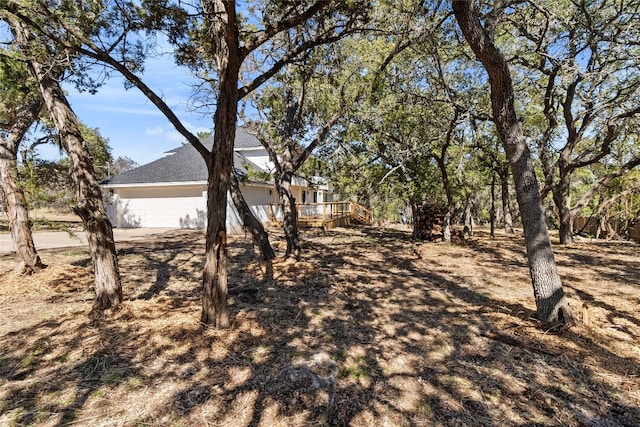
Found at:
[134, 126]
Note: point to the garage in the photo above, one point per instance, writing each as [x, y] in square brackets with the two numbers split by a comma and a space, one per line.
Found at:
[179, 206]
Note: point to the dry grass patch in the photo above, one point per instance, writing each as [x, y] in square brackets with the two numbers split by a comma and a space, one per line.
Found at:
[369, 328]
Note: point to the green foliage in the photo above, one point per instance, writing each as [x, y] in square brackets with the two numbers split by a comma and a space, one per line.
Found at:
[411, 119]
[16, 87]
[48, 183]
[99, 149]
[255, 174]
[204, 135]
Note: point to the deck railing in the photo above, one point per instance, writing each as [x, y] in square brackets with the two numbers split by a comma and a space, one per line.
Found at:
[324, 211]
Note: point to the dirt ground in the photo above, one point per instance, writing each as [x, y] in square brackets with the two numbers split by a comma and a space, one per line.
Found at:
[368, 329]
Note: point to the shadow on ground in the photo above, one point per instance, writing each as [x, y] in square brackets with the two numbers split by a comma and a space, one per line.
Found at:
[369, 328]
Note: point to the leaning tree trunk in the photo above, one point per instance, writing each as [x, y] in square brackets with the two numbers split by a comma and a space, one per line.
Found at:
[19, 224]
[89, 203]
[249, 221]
[551, 302]
[89, 206]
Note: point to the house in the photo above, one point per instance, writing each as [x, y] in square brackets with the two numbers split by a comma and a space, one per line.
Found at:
[172, 191]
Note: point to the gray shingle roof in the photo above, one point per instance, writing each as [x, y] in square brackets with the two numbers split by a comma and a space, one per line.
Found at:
[184, 163]
[244, 139]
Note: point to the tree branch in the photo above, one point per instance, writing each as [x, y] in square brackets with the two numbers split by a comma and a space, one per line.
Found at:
[284, 60]
[281, 26]
[94, 52]
[602, 182]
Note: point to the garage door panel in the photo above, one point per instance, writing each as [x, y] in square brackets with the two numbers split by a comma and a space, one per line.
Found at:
[175, 212]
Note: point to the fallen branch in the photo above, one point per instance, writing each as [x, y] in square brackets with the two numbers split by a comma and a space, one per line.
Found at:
[508, 339]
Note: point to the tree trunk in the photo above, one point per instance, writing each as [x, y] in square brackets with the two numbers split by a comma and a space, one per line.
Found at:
[249, 221]
[492, 211]
[19, 224]
[446, 231]
[90, 206]
[415, 233]
[506, 206]
[562, 199]
[468, 218]
[444, 175]
[551, 302]
[601, 231]
[214, 279]
[289, 215]
[224, 28]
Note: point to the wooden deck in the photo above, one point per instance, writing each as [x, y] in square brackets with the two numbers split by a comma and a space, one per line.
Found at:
[324, 215]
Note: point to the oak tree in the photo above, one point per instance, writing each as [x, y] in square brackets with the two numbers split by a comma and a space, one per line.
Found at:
[551, 302]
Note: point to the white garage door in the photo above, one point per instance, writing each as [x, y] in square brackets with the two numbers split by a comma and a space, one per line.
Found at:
[175, 212]
[183, 207]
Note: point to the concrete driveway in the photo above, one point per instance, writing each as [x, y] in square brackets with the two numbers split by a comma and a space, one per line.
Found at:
[61, 239]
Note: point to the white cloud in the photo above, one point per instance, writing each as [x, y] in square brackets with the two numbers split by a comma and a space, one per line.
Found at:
[175, 136]
[158, 130]
[125, 110]
[197, 128]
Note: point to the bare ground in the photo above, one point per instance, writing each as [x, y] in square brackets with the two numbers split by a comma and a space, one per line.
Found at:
[369, 328]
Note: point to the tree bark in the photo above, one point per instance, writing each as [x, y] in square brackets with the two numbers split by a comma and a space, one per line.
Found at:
[468, 217]
[90, 206]
[562, 199]
[221, 17]
[19, 224]
[441, 160]
[492, 210]
[285, 169]
[446, 230]
[214, 279]
[289, 214]
[444, 175]
[551, 302]
[506, 206]
[249, 221]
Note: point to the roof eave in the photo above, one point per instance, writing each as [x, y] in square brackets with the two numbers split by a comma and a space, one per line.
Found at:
[152, 184]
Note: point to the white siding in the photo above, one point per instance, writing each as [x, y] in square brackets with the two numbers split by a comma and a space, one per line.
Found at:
[257, 195]
[258, 198]
[258, 156]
